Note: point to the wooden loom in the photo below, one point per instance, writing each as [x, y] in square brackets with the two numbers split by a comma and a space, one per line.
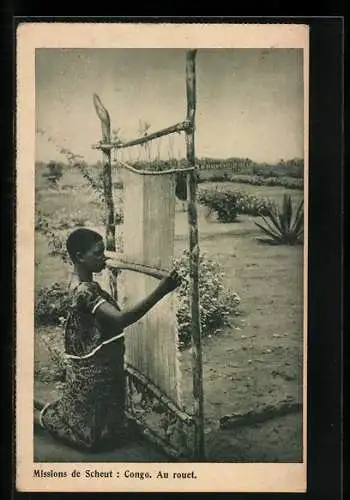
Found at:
[151, 346]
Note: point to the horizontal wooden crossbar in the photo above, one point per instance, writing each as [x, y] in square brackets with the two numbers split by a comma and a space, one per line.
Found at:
[115, 261]
[259, 416]
[178, 127]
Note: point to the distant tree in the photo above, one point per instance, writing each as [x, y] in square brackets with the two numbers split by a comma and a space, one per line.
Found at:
[54, 173]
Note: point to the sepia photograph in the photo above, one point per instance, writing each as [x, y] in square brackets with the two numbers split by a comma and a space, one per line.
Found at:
[168, 235]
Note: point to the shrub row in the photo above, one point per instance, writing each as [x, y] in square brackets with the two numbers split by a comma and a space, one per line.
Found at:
[291, 168]
[256, 180]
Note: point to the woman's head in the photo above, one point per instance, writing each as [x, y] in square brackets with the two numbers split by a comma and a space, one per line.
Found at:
[86, 247]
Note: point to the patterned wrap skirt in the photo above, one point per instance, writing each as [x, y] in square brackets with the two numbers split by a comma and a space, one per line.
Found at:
[90, 413]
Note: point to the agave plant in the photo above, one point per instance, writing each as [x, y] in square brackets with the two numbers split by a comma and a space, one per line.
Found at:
[281, 225]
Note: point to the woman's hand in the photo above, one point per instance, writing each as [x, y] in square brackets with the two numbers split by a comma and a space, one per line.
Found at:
[169, 283]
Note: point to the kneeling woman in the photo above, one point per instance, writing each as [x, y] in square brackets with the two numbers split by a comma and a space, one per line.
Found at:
[90, 413]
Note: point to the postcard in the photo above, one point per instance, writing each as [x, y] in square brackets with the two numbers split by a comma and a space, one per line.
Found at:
[162, 194]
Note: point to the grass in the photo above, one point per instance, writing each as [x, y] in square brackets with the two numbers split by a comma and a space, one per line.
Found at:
[269, 336]
[256, 362]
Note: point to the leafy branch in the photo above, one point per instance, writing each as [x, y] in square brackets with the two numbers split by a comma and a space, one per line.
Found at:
[77, 161]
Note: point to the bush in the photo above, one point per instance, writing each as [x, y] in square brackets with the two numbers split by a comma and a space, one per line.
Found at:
[256, 180]
[249, 204]
[220, 177]
[53, 173]
[51, 305]
[224, 203]
[57, 245]
[217, 304]
[41, 222]
[230, 203]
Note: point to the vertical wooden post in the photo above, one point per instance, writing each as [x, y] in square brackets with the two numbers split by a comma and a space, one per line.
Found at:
[103, 115]
[197, 369]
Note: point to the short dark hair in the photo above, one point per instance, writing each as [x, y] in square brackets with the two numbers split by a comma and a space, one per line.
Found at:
[81, 240]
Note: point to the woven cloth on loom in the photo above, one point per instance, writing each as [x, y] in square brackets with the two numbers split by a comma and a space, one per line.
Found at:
[149, 220]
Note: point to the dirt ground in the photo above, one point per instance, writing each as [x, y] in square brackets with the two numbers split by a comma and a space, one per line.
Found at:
[258, 360]
[276, 440]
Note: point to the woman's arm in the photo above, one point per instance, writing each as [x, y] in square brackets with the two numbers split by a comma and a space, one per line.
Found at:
[121, 319]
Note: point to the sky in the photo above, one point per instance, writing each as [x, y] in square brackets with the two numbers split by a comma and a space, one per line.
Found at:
[249, 101]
